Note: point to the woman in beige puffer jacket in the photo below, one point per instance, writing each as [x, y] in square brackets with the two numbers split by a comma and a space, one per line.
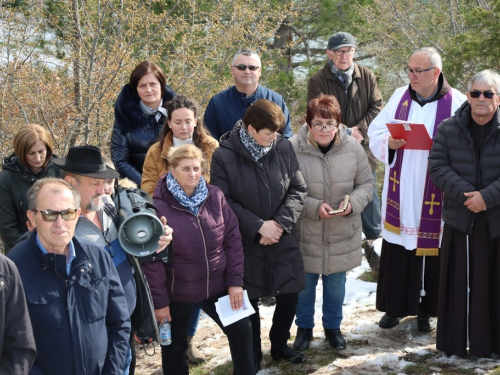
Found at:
[334, 164]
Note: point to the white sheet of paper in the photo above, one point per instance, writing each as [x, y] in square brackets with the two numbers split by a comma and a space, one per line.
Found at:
[227, 315]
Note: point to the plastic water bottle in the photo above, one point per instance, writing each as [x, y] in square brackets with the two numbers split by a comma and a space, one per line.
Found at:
[165, 333]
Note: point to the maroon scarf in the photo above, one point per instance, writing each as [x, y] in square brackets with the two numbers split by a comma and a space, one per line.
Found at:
[430, 218]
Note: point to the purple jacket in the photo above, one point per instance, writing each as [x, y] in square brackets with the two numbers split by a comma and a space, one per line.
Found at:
[208, 253]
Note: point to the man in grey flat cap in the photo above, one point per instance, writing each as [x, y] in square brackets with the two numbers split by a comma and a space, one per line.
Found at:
[355, 88]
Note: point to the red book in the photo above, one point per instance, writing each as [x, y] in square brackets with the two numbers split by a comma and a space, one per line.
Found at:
[415, 135]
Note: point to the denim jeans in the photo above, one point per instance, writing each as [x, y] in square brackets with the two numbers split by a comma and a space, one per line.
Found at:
[333, 299]
[371, 218]
[128, 360]
[193, 320]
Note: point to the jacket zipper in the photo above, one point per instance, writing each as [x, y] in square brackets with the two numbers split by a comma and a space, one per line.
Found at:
[204, 245]
[173, 281]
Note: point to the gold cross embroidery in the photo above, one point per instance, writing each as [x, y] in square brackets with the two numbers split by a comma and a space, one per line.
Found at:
[393, 179]
[403, 112]
[432, 203]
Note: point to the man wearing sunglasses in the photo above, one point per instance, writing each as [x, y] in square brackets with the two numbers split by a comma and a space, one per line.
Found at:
[76, 303]
[464, 164]
[227, 107]
[356, 90]
[84, 168]
[408, 282]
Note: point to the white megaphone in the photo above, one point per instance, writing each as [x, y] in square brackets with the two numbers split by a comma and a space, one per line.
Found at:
[139, 228]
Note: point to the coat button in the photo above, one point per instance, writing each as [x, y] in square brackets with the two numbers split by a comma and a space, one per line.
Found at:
[82, 270]
[73, 278]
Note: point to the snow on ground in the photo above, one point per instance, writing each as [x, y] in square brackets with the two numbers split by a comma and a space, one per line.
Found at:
[370, 349]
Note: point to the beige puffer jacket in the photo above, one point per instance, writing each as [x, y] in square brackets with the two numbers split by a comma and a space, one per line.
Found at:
[332, 245]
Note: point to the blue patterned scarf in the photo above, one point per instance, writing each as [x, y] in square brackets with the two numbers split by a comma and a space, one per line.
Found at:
[193, 202]
[255, 149]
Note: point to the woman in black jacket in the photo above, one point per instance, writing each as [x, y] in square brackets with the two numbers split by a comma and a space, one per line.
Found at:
[258, 172]
[30, 161]
[139, 116]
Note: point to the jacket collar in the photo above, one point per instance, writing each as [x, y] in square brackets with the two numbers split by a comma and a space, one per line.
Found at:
[331, 77]
[309, 146]
[464, 118]
[232, 140]
[57, 262]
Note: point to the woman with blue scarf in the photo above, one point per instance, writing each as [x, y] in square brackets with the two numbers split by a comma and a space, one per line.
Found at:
[207, 260]
[258, 172]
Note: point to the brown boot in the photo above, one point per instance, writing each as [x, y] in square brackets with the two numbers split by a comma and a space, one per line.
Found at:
[193, 353]
[371, 255]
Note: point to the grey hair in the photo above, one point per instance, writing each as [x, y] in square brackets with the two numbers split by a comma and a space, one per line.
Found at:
[433, 55]
[487, 77]
[246, 52]
[37, 186]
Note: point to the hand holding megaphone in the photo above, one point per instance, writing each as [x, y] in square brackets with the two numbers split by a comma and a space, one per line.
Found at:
[165, 240]
[140, 232]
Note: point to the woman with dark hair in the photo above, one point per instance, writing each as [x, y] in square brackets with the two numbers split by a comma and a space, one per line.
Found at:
[207, 261]
[139, 115]
[334, 165]
[30, 161]
[258, 172]
[181, 127]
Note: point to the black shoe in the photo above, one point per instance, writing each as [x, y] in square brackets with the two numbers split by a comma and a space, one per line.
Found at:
[257, 357]
[388, 321]
[303, 338]
[424, 322]
[335, 339]
[371, 255]
[288, 354]
[267, 301]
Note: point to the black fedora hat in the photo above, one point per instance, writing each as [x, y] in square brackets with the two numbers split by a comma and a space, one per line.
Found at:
[86, 161]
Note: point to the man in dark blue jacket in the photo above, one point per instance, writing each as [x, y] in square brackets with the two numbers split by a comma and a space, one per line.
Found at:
[84, 169]
[229, 106]
[76, 303]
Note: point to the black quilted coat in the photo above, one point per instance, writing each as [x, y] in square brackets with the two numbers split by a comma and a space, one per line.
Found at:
[271, 189]
[455, 168]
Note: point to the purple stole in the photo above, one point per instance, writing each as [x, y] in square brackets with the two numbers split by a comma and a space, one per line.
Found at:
[430, 218]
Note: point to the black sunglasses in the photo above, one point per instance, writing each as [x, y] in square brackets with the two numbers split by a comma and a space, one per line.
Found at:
[49, 215]
[477, 94]
[242, 67]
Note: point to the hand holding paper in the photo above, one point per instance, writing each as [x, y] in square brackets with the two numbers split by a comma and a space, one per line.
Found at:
[227, 315]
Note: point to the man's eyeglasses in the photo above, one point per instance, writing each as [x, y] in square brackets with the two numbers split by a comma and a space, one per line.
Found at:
[242, 67]
[417, 72]
[49, 215]
[329, 127]
[340, 52]
[487, 94]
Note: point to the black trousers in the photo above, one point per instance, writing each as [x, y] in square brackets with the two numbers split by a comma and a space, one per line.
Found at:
[239, 335]
[284, 312]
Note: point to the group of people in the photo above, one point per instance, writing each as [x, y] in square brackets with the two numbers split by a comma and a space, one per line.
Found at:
[251, 210]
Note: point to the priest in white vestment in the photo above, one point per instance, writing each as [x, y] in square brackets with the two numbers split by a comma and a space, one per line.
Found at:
[408, 281]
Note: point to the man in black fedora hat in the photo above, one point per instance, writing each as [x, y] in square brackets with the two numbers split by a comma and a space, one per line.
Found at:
[84, 168]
